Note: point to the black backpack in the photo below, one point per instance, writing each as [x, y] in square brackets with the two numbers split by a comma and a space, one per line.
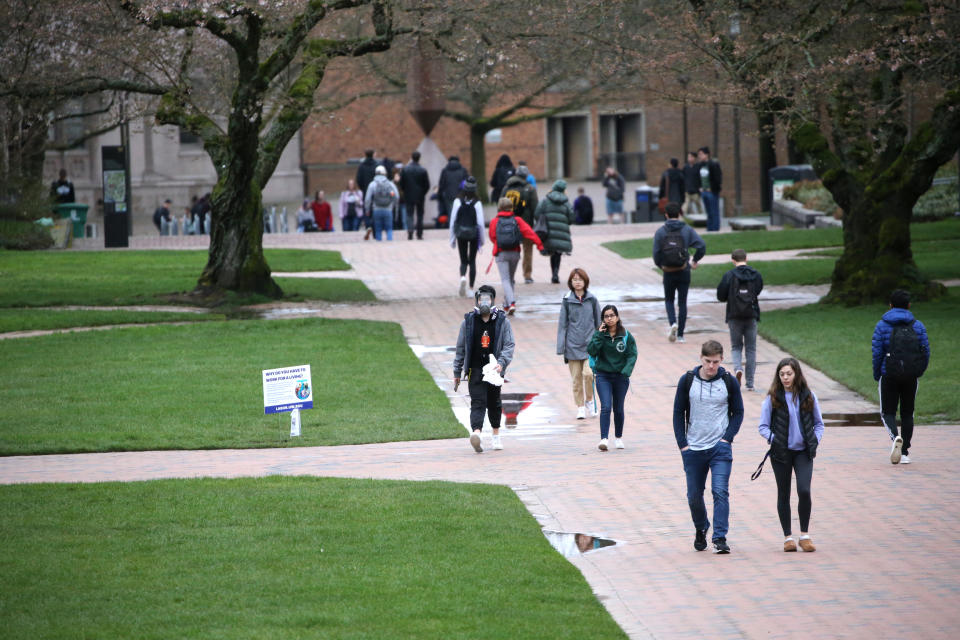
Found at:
[466, 226]
[508, 233]
[742, 300]
[904, 359]
[674, 249]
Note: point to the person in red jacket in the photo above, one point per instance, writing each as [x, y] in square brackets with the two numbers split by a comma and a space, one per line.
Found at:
[506, 233]
[322, 213]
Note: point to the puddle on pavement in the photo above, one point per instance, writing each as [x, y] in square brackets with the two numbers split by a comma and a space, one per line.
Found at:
[572, 545]
[513, 404]
[420, 350]
[851, 420]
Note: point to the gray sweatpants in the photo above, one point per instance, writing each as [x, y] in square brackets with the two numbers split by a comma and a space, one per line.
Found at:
[507, 265]
[743, 336]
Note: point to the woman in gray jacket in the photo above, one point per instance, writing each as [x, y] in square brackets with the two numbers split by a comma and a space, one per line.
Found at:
[579, 317]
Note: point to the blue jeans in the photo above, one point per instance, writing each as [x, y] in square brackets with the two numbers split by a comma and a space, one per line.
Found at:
[718, 462]
[676, 283]
[351, 223]
[614, 206]
[382, 221]
[711, 202]
[611, 389]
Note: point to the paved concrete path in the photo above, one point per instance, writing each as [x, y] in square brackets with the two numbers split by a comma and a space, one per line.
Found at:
[886, 564]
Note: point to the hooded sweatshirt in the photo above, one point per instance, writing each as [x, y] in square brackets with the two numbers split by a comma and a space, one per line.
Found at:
[617, 354]
[706, 411]
[883, 332]
[579, 318]
[690, 237]
[744, 273]
[556, 207]
[450, 178]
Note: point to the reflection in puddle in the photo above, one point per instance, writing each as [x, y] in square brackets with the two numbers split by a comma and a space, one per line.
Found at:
[851, 420]
[513, 404]
[571, 545]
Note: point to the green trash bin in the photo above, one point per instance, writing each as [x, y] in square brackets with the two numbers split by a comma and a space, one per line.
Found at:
[77, 213]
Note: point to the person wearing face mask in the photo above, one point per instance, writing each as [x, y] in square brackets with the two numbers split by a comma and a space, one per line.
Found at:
[484, 332]
[791, 423]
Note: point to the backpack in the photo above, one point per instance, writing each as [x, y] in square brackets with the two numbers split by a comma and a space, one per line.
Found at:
[674, 249]
[741, 301]
[508, 233]
[516, 197]
[904, 359]
[464, 228]
[383, 194]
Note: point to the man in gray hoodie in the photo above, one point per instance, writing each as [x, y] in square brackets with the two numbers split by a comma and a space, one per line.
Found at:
[671, 252]
[739, 288]
[707, 414]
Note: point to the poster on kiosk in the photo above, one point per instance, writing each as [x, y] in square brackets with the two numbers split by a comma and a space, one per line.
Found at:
[288, 389]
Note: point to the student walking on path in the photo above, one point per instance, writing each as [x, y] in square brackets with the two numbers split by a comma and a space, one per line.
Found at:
[707, 414]
[381, 199]
[739, 288]
[525, 200]
[506, 232]
[558, 214]
[614, 353]
[579, 315]
[484, 332]
[901, 353]
[671, 252]
[791, 423]
[466, 232]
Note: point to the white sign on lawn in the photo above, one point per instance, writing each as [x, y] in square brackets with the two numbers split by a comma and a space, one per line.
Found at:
[287, 389]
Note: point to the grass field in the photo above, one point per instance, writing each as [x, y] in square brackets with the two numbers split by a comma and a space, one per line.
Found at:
[43, 319]
[33, 279]
[199, 386]
[840, 347]
[284, 558]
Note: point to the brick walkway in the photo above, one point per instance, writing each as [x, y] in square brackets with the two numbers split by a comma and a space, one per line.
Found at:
[885, 566]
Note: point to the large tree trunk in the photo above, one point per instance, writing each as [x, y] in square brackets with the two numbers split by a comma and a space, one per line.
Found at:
[478, 160]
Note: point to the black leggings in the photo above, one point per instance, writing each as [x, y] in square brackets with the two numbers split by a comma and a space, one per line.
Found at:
[468, 256]
[799, 462]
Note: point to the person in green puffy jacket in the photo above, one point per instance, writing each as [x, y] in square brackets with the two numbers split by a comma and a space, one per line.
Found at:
[559, 216]
[613, 353]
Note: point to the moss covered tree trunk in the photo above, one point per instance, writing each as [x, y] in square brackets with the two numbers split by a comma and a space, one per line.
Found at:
[478, 160]
[877, 192]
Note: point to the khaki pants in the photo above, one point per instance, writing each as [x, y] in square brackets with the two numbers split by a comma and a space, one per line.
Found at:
[582, 381]
[527, 259]
[691, 200]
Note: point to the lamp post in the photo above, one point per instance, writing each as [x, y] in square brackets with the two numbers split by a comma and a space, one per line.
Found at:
[684, 80]
[738, 201]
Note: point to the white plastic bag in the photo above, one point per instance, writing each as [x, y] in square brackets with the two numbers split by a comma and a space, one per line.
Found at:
[490, 373]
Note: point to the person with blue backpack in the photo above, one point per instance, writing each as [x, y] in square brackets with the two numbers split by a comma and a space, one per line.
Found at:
[613, 354]
[506, 233]
[901, 353]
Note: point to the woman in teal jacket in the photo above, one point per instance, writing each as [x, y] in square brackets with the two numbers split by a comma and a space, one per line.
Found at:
[613, 353]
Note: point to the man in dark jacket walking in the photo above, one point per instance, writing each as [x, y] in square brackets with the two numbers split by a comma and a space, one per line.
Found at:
[525, 200]
[559, 216]
[366, 171]
[671, 253]
[897, 372]
[484, 332]
[448, 186]
[711, 181]
[691, 184]
[739, 288]
[415, 184]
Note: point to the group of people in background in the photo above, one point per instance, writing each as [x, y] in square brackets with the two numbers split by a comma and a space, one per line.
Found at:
[696, 187]
[195, 219]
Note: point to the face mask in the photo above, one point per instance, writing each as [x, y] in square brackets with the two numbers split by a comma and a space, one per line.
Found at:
[484, 303]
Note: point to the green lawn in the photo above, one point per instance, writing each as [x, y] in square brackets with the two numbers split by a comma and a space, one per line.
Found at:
[840, 347]
[42, 319]
[199, 386]
[50, 278]
[284, 558]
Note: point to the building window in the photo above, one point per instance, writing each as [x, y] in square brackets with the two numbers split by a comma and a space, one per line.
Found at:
[188, 138]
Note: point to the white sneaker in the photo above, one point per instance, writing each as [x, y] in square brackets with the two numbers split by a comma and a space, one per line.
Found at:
[895, 450]
[475, 442]
[497, 445]
[680, 339]
[619, 444]
[581, 413]
[603, 445]
[591, 410]
[463, 286]
[904, 459]
[672, 335]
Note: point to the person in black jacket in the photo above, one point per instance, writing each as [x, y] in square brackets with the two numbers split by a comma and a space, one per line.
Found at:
[501, 172]
[672, 184]
[62, 190]
[711, 181]
[739, 288]
[414, 184]
[448, 187]
[791, 423]
[691, 184]
[366, 171]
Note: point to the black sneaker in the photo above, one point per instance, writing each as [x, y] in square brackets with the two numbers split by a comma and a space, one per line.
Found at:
[720, 545]
[700, 542]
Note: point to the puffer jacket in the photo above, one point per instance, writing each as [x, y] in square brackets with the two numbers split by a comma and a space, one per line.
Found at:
[579, 318]
[556, 207]
[884, 330]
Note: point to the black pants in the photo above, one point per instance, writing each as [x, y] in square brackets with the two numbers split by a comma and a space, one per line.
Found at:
[895, 392]
[555, 263]
[676, 283]
[468, 258]
[800, 463]
[484, 398]
[415, 208]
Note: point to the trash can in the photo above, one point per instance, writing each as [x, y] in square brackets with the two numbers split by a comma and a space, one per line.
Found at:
[77, 213]
[787, 175]
[646, 199]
